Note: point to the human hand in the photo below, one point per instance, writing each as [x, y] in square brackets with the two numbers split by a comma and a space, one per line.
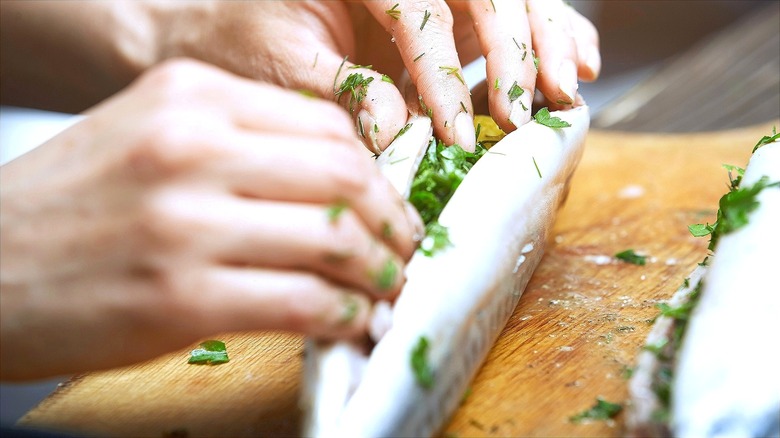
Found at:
[192, 203]
[302, 45]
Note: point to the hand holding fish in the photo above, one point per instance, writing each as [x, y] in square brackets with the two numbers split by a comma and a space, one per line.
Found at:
[194, 202]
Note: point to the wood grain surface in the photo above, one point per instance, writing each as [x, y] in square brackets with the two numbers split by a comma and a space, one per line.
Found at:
[575, 332]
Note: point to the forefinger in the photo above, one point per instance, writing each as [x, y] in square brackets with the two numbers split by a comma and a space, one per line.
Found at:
[423, 32]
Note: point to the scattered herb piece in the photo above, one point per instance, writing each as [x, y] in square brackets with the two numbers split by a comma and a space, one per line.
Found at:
[420, 366]
[602, 410]
[437, 237]
[629, 256]
[418, 57]
[403, 130]
[387, 230]
[316, 56]
[357, 86]
[463, 107]
[338, 72]
[211, 352]
[424, 107]
[307, 93]
[543, 118]
[386, 277]
[426, 16]
[515, 91]
[394, 12]
[455, 71]
[539, 172]
[734, 181]
[360, 128]
[357, 66]
[335, 211]
[536, 59]
[497, 85]
[493, 4]
[350, 309]
[767, 139]
[388, 79]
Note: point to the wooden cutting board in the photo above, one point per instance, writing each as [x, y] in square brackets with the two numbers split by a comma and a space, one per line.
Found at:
[573, 336]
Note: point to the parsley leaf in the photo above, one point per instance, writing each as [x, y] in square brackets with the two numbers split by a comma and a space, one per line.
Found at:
[514, 92]
[767, 139]
[630, 256]
[420, 366]
[211, 352]
[543, 117]
[602, 410]
[437, 237]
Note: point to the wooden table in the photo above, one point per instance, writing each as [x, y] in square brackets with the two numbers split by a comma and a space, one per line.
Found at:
[575, 332]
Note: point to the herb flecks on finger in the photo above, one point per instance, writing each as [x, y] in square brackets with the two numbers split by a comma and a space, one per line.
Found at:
[335, 211]
[453, 71]
[386, 277]
[357, 86]
[515, 91]
[211, 352]
[394, 12]
[350, 309]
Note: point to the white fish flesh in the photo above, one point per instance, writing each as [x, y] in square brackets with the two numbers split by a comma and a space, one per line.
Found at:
[460, 298]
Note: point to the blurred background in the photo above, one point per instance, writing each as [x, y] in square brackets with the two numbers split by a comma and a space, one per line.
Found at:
[668, 66]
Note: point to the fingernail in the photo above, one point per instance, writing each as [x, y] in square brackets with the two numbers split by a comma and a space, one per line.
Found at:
[416, 221]
[465, 134]
[567, 79]
[520, 109]
[593, 60]
[365, 124]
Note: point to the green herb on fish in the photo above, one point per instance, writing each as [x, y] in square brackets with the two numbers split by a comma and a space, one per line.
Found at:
[543, 117]
[423, 372]
[211, 352]
[767, 139]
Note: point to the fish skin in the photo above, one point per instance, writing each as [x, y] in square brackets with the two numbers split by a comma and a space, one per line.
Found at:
[461, 297]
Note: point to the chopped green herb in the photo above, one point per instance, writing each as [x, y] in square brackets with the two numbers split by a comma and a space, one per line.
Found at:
[338, 72]
[767, 139]
[515, 91]
[387, 230]
[350, 309]
[360, 128]
[357, 86]
[734, 181]
[630, 256]
[335, 211]
[211, 352]
[386, 277]
[388, 79]
[602, 410]
[316, 55]
[463, 107]
[307, 93]
[402, 131]
[426, 16]
[418, 57]
[733, 211]
[424, 107]
[437, 237]
[539, 172]
[497, 85]
[356, 66]
[420, 366]
[455, 71]
[394, 12]
[543, 118]
[536, 60]
[376, 128]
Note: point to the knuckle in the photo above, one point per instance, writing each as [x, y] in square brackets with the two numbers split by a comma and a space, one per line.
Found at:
[178, 75]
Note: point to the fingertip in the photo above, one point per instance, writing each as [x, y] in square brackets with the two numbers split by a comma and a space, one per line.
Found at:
[464, 133]
[592, 64]
[567, 80]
